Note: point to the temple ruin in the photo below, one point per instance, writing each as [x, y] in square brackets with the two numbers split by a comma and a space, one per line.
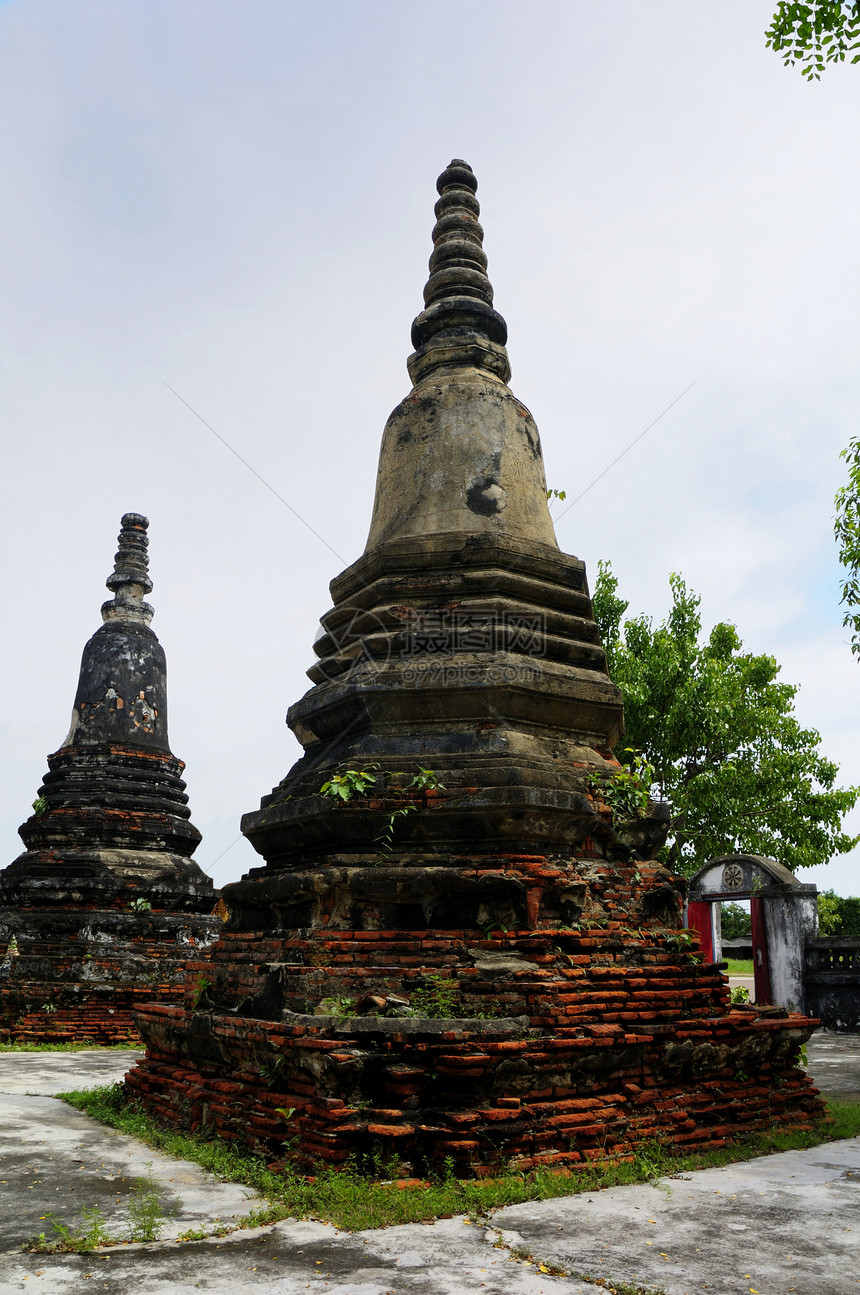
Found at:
[460, 947]
[104, 907]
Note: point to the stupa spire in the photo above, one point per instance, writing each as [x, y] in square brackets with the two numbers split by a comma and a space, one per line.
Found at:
[458, 325]
[460, 455]
[129, 580]
[462, 636]
[122, 686]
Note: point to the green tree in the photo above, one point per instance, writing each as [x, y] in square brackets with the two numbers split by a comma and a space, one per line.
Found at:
[735, 921]
[829, 918]
[738, 770]
[847, 530]
[823, 31]
[838, 916]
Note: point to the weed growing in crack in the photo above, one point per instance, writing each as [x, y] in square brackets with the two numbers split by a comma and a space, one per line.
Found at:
[146, 1221]
[349, 784]
[145, 1214]
[627, 790]
[90, 1233]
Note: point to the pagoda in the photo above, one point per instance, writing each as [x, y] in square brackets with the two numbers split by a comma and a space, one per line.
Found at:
[104, 907]
[460, 947]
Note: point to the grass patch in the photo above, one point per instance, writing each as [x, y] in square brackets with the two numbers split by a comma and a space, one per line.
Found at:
[354, 1200]
[740, 967]
[72, 1047]
[845, 1113]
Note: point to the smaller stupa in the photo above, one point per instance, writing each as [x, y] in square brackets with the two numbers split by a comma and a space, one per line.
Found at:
[101, 911]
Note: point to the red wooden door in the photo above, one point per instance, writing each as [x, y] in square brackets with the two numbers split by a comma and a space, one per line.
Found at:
[699, 920]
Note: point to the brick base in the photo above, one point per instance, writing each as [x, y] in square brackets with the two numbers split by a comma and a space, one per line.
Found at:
[608, 1040]
[81, 975]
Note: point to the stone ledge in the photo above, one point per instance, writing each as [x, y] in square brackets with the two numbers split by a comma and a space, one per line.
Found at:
[415, 1026]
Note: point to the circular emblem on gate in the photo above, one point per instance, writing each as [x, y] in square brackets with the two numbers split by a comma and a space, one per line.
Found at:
[733, 876]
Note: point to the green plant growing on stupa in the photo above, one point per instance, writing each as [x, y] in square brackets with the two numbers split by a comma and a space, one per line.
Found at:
[349, 784]
[199, 990]
[423, 780]
[438, 997]
[385, 839]
[356, 783]
[627, 791]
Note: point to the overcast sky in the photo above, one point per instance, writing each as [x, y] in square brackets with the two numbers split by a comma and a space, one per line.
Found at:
[236, 200]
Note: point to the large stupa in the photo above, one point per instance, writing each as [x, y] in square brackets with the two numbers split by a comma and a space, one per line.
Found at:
[458, 947]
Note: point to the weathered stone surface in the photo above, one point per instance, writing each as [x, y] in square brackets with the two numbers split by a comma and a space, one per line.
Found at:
[832, 982]
[469, 956]
[103, 908]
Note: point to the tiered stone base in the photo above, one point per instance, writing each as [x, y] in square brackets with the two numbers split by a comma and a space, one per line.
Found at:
[570, 1046]
[81, 975]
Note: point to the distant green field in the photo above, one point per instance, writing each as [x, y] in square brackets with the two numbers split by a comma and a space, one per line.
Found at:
[740, 967]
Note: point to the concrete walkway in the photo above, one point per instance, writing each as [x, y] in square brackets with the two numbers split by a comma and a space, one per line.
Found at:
[784, 1225]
